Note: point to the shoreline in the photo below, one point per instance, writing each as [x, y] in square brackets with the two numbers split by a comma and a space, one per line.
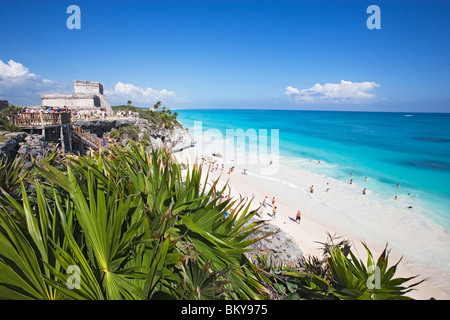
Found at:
[317, 220]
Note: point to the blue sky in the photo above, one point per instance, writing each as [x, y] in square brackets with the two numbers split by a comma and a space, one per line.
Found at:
[316, 55]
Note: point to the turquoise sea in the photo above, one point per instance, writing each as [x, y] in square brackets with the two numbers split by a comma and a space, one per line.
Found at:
[409, 149]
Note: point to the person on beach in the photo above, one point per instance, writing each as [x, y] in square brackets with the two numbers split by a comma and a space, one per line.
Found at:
[328, 189]
[274, 212]
[261, 211]
[265, 202]
[351, 181]
[311, 189]
[364, 191]
[298, 217]
[395, 198]
[273, 201]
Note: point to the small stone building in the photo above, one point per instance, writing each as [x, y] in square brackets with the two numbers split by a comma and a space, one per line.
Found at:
[88, 95]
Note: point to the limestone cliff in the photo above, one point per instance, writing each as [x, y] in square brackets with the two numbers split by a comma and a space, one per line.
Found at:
[175, 139]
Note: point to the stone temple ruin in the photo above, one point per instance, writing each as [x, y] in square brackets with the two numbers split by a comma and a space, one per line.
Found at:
[88, 95]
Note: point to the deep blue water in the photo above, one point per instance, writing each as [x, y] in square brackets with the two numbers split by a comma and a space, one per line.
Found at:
[410, 149]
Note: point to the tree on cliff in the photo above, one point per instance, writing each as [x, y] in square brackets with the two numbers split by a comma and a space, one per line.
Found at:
[156, 105]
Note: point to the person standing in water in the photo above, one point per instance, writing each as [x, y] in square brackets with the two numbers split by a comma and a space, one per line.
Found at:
[311, 189]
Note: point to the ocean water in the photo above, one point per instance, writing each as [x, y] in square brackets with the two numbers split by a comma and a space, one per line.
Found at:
[412, 150]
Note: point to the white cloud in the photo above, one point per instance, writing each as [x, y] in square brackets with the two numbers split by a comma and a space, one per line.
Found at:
[345, 91]
[14, 70]
[123, 92]
[291, 90]
[19, 86]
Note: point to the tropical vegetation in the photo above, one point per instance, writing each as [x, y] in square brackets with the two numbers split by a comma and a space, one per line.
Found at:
[159, 117]
[5, 124]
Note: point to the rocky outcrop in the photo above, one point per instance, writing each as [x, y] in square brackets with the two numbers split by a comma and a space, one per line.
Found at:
[29, 146]
[175, 139]
[33, 148]
[285, 250]
[10, 144]
[100, 127]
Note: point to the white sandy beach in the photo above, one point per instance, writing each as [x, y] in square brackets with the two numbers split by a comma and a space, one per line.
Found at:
[331, 212]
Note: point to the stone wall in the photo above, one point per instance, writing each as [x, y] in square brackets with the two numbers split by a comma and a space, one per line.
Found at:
[75, 101]
[10, 144]
[87, 87]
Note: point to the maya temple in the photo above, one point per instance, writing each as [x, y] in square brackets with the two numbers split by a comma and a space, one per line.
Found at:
[86, 95]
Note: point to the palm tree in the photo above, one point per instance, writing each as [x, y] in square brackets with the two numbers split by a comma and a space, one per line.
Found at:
[156, 105]
[129, 102]
[341, 275]
[132, 226]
